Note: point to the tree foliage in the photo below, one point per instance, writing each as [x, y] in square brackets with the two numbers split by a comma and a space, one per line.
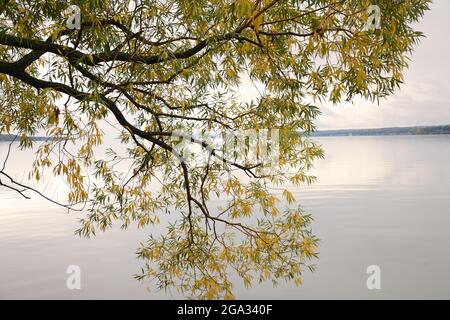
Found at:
[154, 68]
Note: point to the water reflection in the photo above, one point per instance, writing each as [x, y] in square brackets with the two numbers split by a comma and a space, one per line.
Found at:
[378, 200]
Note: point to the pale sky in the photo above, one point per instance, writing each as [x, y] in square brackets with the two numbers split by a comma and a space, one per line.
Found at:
[424, 98]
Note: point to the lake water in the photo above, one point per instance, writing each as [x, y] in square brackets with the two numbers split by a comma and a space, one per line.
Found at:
[379, 201]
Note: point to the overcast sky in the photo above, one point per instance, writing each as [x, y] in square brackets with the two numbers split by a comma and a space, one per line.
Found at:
[424, 98]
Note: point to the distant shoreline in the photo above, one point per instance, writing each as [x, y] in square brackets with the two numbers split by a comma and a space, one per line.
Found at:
[12, 137]
[393, 131]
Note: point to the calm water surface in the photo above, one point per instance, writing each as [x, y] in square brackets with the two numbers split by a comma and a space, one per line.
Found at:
[378, 200]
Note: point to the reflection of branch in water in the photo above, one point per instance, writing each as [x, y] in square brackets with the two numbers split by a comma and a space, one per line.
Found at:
[21, 188]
